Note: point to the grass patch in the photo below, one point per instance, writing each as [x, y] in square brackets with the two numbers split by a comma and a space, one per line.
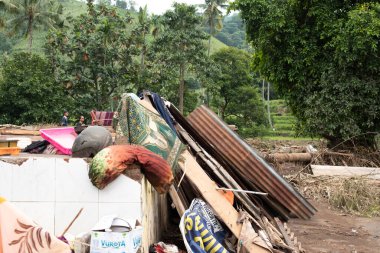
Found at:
[216, 45]
[286, 138]
[284, 126]
[355, 195]
[268, 132]
[284, 118]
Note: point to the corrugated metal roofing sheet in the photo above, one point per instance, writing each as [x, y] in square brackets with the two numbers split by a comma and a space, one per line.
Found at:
[248, 163]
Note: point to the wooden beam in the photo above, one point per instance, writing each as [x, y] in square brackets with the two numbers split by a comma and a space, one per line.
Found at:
[222, 174]
[283, 232]
[177, 201]
[19, 132]
[222, 208]
[343, 171]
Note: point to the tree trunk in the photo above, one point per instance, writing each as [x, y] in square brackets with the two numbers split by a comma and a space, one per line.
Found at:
[223, 109]
[143, 53]
[142, 65]
[268, 107]
[209, 46]
[98, 97]
[181, 86]
[30, 37]
[286, 157]
[209, 40]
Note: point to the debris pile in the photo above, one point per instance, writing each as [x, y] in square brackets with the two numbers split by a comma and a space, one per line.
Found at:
[209, 161]
[229, 199]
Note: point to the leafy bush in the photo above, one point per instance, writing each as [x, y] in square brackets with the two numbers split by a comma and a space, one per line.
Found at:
[324, 58]
[28, 92]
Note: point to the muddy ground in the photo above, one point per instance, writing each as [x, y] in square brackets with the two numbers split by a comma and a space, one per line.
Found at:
[331, 231]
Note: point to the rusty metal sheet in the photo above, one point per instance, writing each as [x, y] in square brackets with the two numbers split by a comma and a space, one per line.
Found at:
[247, 162]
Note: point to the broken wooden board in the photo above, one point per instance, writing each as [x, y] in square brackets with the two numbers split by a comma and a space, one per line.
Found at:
[177, 201]
[222, 208]
[344, 171]
[18, 132]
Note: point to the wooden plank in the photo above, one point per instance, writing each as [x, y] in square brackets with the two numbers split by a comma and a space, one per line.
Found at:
[283, 232]
[18, 132]
[154, 215]
[177, 201]
[222, 208]
[343, 171]
[224, 176]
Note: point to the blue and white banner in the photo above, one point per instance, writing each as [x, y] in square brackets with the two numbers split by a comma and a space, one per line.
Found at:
[200, 229]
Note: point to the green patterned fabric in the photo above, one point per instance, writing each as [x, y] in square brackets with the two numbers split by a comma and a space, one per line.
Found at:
[137, 125]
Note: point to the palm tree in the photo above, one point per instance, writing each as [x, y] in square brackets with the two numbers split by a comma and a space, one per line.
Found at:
[29, 14]
[5, 6]
[213, 17]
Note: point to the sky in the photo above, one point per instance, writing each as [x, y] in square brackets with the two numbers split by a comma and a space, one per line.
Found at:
[160, 6]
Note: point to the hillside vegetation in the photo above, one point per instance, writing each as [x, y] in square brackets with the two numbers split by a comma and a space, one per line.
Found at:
[73, 8]
[284, 123]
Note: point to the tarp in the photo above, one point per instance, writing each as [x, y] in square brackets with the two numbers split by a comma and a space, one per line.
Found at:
[18, 233]
[160, 106]
[101, 118]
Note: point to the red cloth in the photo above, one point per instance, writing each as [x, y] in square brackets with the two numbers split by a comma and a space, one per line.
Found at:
[101, 118]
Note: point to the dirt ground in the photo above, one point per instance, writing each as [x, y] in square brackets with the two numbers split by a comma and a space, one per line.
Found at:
[332, 231]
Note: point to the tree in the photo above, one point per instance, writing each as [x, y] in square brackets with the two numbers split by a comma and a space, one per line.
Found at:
[179, 49]
[122, 4]
[28, 92]
[95, 58]
[5, 45]
[323, 57]
[234, 84]
[132, 5]
[27, 15]
[5, 7]
[213, 17]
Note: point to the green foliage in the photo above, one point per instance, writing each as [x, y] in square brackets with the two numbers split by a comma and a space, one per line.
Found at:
[28, 92]
[5, 44]
[27, 15]
[146, 27]
[233, 32]
[178, 51]
[213, 18]
[235, 94]
[324, 57]
[122, 4]
[94, 58]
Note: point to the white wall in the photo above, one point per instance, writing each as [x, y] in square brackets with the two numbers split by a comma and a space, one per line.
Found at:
[51, 190]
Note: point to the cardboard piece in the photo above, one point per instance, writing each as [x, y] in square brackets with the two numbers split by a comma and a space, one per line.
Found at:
[116, 242]
[115, 235]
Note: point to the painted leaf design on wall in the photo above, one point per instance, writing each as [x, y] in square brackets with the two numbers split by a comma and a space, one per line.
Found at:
[31, 238]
